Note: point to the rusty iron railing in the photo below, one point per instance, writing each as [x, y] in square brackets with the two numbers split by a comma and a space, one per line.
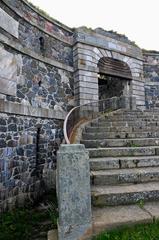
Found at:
[91, 111]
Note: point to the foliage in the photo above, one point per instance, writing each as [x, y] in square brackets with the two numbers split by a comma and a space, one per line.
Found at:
[20, 224]
[131, 144]
[138, 232]
[141, 203]
[25, 224]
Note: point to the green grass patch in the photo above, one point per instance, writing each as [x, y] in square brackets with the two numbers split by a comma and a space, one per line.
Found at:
[27, 223]
[138, 232]
[20, 224]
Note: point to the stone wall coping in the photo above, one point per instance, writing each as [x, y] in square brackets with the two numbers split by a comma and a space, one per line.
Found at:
[18, 47]
[61, 25]
[150, 83]
[150, 52]
[151, 64]
[29, 111]
[98, 36]
[35, 25]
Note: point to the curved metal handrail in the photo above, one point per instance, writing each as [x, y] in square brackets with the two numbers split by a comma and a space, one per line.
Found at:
[91, 111]
[65, 125]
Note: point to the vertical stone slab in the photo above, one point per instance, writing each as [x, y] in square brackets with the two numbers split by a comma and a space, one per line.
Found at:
[8, 23]
[133, 103]
[124, 102]
[73, 190]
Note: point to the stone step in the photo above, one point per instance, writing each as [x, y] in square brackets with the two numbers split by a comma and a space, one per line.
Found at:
[124, 176]
[119, 135]
[123, 151]
[125, 124]
[123, 162]
[132, 112]
[107, 218]
[137, 142]
[124, 194]
[122, 129]
[115, 121]
[130, 118]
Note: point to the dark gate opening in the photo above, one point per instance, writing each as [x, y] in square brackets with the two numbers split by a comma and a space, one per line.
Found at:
[114, 78]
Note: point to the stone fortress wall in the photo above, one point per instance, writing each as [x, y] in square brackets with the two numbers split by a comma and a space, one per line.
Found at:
[45, 69]
[36, 89]
[151, 75]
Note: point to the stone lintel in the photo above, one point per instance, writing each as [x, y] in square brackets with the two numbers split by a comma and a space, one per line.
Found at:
[73, 190]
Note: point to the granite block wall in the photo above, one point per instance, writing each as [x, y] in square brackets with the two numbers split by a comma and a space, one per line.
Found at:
[151, 75]
[43, 85]
[28, 149]
[36, 92]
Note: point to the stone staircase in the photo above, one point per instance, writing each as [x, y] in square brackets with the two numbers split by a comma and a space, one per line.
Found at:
[124, 161]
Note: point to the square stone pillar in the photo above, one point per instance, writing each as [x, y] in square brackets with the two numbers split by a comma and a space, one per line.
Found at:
[74, 195]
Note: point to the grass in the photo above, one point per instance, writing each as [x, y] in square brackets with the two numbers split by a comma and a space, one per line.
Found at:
[27, 223]
[20, 224]
[138, 232]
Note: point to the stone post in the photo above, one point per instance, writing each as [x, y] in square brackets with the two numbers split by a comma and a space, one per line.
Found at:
[133, 103]
[124, 102]
[73, 190]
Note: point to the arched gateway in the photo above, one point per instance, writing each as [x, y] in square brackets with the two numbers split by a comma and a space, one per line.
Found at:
[114, 79]
[102, 63]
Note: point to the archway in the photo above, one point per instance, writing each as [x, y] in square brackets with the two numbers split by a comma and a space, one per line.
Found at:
[114, 78]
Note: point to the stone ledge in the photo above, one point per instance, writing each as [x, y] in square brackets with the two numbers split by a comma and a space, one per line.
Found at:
[8, 23]
[35, 25]
[18, 47]
[24, 110]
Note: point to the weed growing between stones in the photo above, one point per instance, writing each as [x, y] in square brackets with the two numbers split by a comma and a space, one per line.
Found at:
[141, 203]
[53, 212]
[131, 144]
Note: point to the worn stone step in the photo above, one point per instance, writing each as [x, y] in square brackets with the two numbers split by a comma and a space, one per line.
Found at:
[122, 176]
[125, 194]
[107, 218]
[119, 135]
[130, 118]
[123, 151]
[128, 129]
[132, 112]
[132, 123]
[123, 162]
[137, 142]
